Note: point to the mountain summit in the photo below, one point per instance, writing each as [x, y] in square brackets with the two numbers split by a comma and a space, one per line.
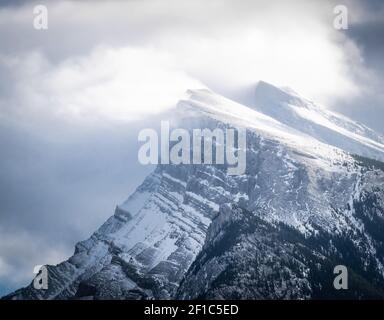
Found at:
[327, 126]
[311, 198]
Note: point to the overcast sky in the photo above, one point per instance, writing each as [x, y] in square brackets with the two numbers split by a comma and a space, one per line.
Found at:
[73, 97]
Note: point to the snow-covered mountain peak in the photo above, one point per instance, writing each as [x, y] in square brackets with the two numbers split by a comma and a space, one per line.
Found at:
[205, 104]
[194, 231]
[266, 93]
[327, 126]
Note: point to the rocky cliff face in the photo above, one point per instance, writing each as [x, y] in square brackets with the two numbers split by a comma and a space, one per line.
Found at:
[302, 206]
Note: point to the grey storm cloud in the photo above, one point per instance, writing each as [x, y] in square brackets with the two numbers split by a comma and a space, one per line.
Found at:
[367, 31]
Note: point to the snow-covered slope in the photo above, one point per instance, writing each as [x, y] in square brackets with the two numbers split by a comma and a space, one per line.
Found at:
[302, 202]
[329, 127]
[204, 103]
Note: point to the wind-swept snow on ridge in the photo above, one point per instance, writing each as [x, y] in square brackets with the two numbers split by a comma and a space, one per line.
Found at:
[157, 239]
[327, 126]
[235, 114]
